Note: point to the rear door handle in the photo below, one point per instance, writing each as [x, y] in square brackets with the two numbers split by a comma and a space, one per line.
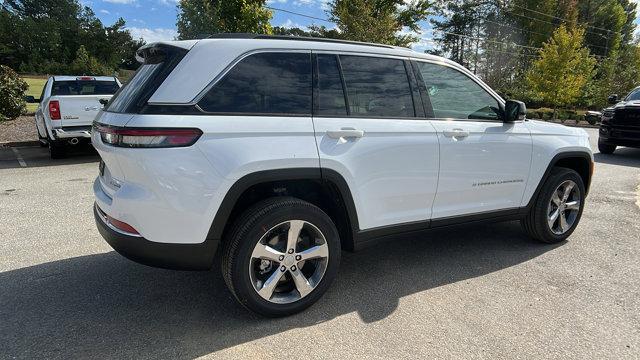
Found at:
[345, 133]
[456, 133]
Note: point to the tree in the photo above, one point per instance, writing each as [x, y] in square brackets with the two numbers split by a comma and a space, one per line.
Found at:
[380, 21]
[198, 18]
[563, 70]
[43, 36]
[12, 89]
[84, 64]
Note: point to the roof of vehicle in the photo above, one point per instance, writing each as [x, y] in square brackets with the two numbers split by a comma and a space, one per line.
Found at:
[209, 57]
[73, 78]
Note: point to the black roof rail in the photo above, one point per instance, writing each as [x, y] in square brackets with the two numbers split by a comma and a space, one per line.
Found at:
[296, 38]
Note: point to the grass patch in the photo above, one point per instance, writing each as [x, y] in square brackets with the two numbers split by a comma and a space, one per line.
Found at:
[35, 89]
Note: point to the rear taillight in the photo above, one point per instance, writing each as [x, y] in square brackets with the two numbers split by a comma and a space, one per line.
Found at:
[147, 138]
[54, 110]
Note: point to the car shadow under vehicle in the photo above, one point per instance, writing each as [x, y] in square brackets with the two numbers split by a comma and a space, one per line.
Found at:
[35, 156]
[623, 156]
[104, 305]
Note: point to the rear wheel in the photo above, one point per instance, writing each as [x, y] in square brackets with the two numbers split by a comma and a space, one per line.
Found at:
[606, 148]
[558, 207]
[281, 256]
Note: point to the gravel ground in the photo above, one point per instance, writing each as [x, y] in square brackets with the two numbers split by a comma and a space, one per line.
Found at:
[22, 128]
[473, 292]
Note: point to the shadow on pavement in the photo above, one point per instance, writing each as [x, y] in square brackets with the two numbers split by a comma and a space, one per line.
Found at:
[104, 305]
[35, 156]
[623, 156]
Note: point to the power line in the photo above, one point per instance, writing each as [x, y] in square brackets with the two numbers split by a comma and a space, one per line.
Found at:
[549, 22]
[299, 14]
[559, 18]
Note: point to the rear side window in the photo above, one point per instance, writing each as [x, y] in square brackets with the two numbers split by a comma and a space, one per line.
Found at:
[330, 93]
[264, 83]
[455, 95]
[158, 64]
[84, 87]
[377, 87]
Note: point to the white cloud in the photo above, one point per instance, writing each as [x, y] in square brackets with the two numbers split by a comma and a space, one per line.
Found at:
[169, 2]
[271, 2]
[103, 11]
[289, 24]
[153, 35]
[120, 1]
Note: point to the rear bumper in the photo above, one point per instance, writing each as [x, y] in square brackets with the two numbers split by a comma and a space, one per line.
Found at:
[68, 134]
[162, 255]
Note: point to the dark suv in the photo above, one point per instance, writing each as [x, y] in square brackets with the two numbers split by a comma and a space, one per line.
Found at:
[620, 123]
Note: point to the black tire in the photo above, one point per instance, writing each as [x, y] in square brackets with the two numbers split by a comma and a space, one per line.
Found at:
[249, 229]
[57, 150]
[535, 223]
[606, 148]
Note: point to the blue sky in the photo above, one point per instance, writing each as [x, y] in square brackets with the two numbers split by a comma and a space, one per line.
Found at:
[155, 20]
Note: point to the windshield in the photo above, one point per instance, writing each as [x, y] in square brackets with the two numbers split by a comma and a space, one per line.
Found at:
[634, 95]
[84, 87]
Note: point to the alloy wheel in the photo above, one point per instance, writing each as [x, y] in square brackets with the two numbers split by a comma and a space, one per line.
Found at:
[563, 208]
[288, 262]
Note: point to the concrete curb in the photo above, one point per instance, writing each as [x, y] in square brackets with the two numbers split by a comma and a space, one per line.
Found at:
[19, 143]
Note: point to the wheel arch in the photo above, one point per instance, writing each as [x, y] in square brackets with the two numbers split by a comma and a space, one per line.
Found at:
[580, 161]
[324, 188]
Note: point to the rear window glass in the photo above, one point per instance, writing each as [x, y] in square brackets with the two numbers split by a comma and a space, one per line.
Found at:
[159, 62]
[130, 92]
[330, 93]
[84, 87]
[264, 83]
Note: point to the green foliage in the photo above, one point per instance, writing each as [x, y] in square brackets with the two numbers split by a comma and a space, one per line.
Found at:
[43, 36]
[85, 64]
[12, 90]
[199, 18]
[379, 21]
[563, 70]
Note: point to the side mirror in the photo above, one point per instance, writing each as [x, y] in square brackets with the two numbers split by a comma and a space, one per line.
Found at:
[613, 99]
[31, 100]
[514, 110]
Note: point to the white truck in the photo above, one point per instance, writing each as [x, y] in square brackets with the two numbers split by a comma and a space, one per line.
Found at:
[67, 107]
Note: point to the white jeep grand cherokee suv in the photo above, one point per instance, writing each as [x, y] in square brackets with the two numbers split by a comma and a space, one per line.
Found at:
[283, 151]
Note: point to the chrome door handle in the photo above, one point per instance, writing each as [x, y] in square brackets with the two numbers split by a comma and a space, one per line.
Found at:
[456, 133]
[345, 133]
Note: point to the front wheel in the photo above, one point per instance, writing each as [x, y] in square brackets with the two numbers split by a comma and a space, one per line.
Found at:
[558, 207]
[606, 148]
[281, 256]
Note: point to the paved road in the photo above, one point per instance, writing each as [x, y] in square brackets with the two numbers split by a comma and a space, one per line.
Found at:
[473, 292]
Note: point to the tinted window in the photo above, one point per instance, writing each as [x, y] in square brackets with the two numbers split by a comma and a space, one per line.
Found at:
[126, 97]
[634, 95]
[377, 87]
[330, 92]
[159, 63]
[264, 83]
[84, 87]
[455, 95]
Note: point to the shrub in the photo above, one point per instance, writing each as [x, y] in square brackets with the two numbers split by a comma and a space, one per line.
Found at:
[12, 90]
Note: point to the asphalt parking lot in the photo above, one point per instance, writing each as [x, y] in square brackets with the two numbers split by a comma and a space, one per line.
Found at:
[471, 292]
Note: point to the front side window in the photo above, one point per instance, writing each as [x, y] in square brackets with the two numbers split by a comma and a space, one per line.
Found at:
[455, 95]
[264, 83]
[377, 87]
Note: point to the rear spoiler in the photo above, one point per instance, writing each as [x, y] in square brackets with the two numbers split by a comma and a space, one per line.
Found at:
[154, 52]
